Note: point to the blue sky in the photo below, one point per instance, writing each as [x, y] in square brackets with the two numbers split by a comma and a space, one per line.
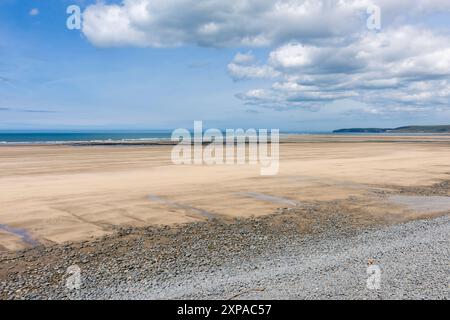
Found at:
[175, 62]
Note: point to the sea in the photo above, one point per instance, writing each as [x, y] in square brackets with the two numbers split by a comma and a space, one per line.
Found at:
[61, 137]
[57, 137]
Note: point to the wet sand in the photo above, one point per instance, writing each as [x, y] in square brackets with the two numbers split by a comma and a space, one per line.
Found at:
[57, 194]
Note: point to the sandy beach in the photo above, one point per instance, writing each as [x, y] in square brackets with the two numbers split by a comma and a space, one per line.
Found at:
[66, 204]
[54, 194]
[188, 150]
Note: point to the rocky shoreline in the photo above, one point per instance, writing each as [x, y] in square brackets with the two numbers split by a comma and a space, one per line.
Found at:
[157, 262]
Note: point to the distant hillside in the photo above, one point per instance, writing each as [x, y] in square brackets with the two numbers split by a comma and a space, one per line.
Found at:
[423, 129]
[361, 130]
[406, 129]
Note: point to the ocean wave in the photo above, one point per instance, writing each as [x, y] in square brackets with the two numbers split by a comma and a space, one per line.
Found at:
[85, 141]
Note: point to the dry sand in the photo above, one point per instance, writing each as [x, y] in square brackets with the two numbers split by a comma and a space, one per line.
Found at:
[55, 194]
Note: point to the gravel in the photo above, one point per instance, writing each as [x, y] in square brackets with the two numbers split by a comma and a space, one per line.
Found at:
[269, 258]
[413, 259]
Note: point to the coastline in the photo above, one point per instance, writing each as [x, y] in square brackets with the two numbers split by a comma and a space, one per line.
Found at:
[130, 218]
[257, 258]
[94, 188]
[284, 138]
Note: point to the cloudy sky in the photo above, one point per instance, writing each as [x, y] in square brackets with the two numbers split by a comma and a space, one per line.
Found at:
[307, 65]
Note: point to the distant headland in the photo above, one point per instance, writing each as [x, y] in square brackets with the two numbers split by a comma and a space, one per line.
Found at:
[406, 129]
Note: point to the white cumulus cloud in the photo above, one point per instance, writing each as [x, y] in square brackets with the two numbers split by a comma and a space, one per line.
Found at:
[401, 66]
[166, 23]
[320, 50]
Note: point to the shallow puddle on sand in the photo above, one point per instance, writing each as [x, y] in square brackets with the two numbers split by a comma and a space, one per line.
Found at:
[174, 204]
[21, 233]
[422, 203]
[269, 198]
